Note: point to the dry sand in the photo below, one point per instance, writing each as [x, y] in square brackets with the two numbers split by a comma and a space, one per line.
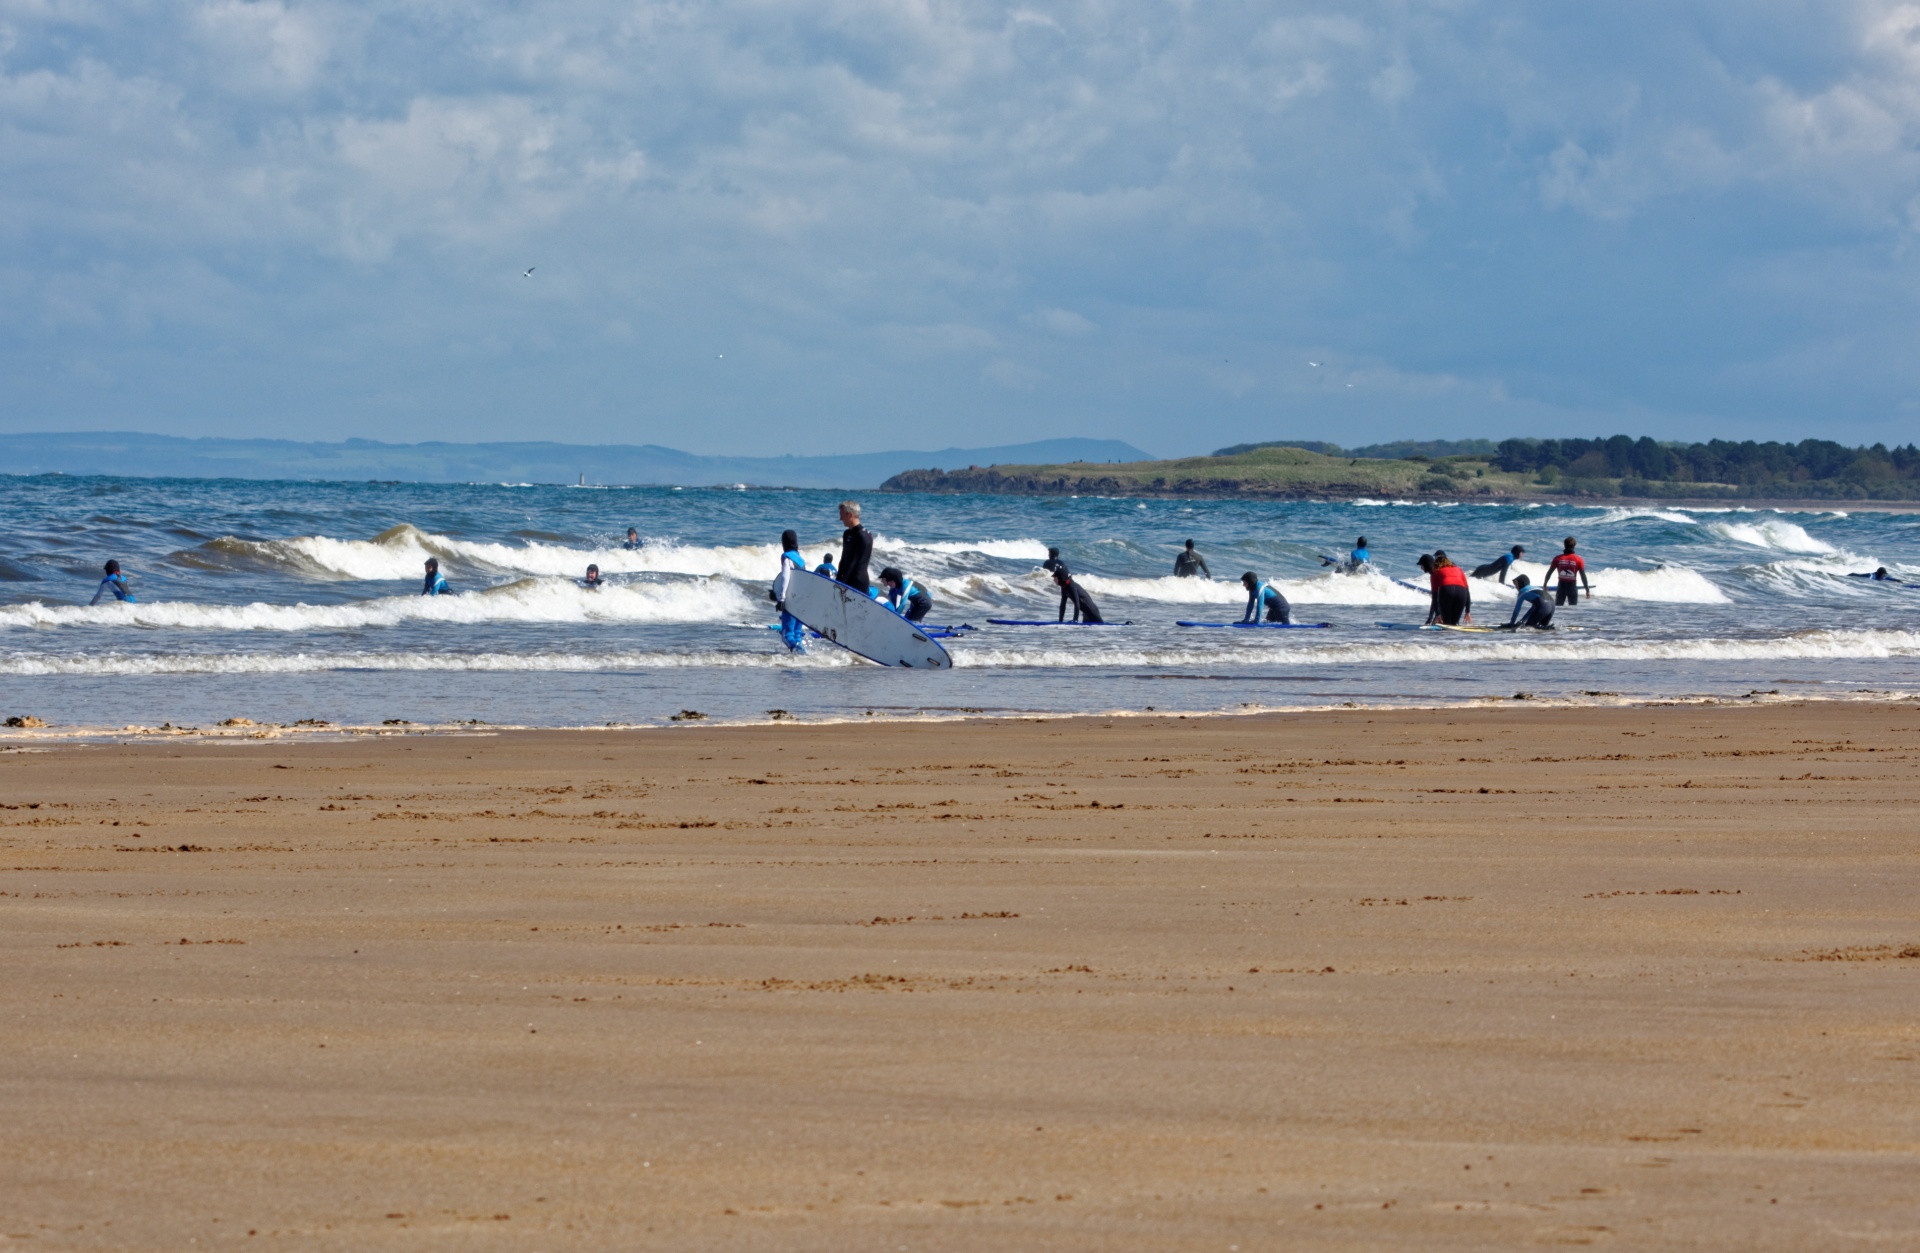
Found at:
[1466, 980]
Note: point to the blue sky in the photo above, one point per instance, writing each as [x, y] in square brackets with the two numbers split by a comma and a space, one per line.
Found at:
[844, 225]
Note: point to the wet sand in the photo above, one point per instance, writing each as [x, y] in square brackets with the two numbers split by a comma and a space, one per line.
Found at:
[1475, 979]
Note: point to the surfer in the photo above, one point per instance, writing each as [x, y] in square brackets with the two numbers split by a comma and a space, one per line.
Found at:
[1264, 598]
[1190, 564]
[633, 539]
[1071, 593]
[792, 630]
[1359, 559]
[592, 581]
[1053, 561]
[436, 584]
[856, 549]
[1568, 566]
[1500, 566]
[1452, 600]
[904, 596]
[115, 584]
[826, 566]
[1531, 608]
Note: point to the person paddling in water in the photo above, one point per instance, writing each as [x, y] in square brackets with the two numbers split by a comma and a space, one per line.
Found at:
[856, 549]
[1071, 593]
[115, 585]
[436, 584]
[1264, 598]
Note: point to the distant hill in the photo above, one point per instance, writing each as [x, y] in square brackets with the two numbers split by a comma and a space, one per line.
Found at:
[1398, 450]
[1515, 469]
[168, 456]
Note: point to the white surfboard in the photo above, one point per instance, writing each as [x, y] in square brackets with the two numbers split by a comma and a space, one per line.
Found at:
[859, 624]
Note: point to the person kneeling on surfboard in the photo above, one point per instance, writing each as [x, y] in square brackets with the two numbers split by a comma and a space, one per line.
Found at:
[1071, 593]
[1531, 608]
[904, 596]
[792, 630]
[1264, 598]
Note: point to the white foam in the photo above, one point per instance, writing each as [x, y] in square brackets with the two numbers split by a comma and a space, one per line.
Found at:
[1775, 533]
[528, 600]
[499, 663]
[1630, 513]
[1676, 585]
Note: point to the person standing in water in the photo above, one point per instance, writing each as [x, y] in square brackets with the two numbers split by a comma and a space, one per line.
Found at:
[436, 584]
[826, 566]
[792, 631]
[1567, 567]
[1071, 593]
[1053, 561]
[115, 584]
[856, 549]
[1264, 598]
[1501, 565]
[1190, 564]
[904, 596]
[1531, 608]
[1452, 602]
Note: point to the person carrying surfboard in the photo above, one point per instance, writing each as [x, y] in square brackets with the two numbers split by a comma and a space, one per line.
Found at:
[1071, 593]
[1264, 598]
[792, 630]
[856, 549]
[904, 596]
[1568, 566]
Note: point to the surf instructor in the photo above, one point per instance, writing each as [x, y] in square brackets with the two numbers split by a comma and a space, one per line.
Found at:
[856, 549]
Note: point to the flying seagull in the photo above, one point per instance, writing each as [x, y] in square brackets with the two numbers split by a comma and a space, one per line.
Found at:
[528, 273]
[1314, 364]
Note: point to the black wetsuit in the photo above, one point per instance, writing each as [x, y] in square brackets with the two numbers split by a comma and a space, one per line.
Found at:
[1190, 565]
[1053, 563]
[1084, 610]
[856, 550]
[1497, 568]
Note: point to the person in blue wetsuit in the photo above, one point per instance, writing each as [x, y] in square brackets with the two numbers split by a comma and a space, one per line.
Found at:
[827, 567]
[1500, 566]
[1361, 554]
[1071, 593]
[633, 539]
[1532, 608]
[904, 596]
[116, 584]
[792, 630]
[1264, 598]
[436, 584]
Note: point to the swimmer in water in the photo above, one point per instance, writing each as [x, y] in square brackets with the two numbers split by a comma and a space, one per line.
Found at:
[592, 581]
[436, 584]
[633, 539]
[1264, 598]
[904, 596]
[114, 584]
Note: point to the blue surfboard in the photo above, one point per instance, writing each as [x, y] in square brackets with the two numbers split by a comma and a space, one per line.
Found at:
[1260, 626]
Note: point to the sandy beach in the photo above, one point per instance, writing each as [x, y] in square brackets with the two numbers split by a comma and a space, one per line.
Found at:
[1471, 979]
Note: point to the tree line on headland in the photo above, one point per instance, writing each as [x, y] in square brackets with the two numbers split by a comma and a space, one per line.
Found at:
[1620, 465]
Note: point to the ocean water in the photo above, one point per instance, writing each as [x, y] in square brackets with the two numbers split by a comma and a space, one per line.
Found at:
[288, 601]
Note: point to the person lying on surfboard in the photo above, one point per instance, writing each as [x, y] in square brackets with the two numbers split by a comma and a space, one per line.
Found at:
[1071, 593]
[1264, 598]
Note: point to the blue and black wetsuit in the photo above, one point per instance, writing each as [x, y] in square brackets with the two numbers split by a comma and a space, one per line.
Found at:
[436, 585]
[1532, 608]
[792, 630]
[910, 601]
[1266, 598]
[1360, 557]
[115, 583]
